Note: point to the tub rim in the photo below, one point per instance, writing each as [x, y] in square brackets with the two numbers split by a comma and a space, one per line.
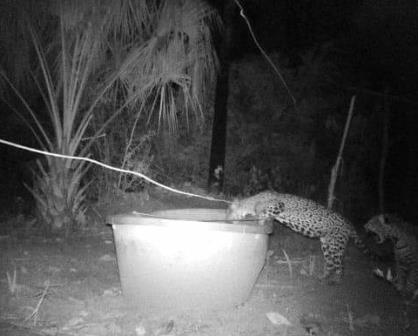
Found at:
[170, 218]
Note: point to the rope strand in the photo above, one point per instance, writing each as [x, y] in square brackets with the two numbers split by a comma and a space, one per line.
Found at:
[81, 158]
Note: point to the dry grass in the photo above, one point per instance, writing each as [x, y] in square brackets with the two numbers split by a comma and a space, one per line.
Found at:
[12, 282]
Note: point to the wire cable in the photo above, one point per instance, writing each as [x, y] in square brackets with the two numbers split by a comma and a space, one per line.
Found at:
[81, 158]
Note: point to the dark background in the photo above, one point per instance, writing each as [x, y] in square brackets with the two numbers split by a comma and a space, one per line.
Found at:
[374, 47]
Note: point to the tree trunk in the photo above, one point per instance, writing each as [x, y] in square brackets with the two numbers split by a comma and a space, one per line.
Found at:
[217, 153]
[384, 152]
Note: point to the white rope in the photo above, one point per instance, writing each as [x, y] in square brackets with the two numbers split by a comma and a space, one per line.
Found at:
[275, 68]
[80, 158]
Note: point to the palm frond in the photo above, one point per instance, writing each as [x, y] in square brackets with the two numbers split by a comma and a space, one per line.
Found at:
[177, 61]
[38, 124]
[14, 40]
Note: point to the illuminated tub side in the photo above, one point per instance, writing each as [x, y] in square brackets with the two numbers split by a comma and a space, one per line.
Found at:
[181, 260]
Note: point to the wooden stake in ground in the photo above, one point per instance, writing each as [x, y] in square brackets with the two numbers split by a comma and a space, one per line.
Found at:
[335, 168]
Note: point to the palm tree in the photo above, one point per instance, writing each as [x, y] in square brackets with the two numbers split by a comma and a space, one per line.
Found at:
[156, 51]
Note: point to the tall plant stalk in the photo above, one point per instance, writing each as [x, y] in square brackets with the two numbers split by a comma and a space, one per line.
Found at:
[160, 53]
[57, 187]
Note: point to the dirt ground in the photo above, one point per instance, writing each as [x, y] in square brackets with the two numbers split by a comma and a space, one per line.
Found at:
[71, 287]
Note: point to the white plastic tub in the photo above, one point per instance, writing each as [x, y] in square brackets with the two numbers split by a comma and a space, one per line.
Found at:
[187, 258]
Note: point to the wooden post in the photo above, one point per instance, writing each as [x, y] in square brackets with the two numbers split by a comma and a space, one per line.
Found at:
[335, 168]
